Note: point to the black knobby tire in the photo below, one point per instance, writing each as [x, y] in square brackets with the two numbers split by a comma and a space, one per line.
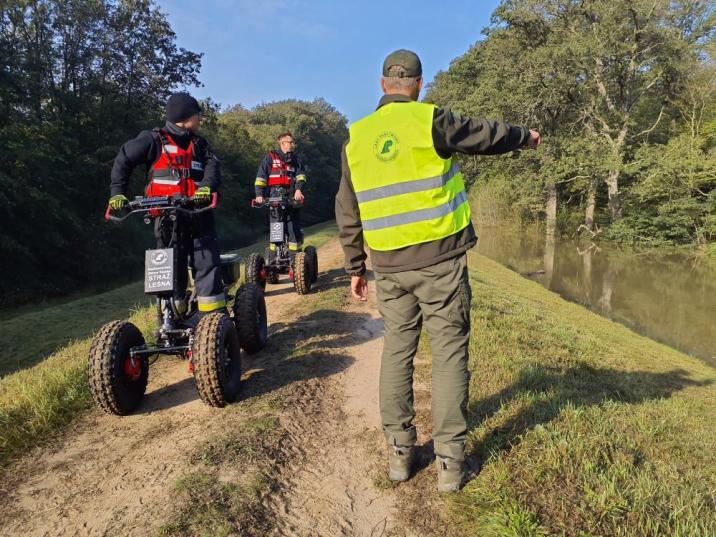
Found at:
[113, 389]
[216, 355]
[250, 317]
[271, 275]
[301, 274]
[312, 258]
[254, 267]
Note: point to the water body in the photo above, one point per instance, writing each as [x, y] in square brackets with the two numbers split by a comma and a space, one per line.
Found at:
[669, 297]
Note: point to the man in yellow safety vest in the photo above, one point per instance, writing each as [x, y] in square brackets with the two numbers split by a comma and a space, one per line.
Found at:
[402, 195]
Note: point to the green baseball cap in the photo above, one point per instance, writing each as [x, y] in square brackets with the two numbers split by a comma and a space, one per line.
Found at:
[406, 59]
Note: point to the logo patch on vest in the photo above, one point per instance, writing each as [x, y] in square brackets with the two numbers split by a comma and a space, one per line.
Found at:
[387, 146]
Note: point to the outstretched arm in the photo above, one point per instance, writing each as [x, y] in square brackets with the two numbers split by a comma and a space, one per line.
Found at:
[453, 133]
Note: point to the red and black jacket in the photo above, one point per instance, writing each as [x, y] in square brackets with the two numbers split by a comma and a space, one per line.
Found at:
[202, 169]
[280, 170]
[171, 173]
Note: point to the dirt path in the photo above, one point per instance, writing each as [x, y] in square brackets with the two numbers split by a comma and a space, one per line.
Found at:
[115, 476]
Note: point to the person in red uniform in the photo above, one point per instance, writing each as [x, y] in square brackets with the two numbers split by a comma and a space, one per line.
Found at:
[178, 160]
[281, 172]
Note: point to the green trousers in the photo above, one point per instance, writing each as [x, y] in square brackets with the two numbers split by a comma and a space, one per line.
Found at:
[437, 297]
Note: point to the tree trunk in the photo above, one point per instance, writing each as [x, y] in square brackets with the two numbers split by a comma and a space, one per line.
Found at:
[591, 205]
[615, 206]
[551, 208]
[550, 232]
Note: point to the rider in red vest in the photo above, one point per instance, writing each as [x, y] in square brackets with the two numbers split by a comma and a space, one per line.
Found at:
[178, 161]
[281, 173]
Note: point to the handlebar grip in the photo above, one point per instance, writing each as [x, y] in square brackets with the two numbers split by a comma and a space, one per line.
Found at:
[214, 200]
[108, 213]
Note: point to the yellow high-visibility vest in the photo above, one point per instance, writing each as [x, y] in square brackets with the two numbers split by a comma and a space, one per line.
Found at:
[407, 193]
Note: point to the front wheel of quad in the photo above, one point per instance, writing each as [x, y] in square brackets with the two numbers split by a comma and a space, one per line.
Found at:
[271, 275]
[301, 273]
[312, 258]
[255, 272]
[251, 319]
[117, 381]
[216, 356]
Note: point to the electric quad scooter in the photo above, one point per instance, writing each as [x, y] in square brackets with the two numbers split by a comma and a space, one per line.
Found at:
[303, 271]
[119, 357]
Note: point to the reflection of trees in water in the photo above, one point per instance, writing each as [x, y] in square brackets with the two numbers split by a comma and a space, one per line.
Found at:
[669, 296]
[586, 277]
[549, 250]
[605, 301]
[550, 234]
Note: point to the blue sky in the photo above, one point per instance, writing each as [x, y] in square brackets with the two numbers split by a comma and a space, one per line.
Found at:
[266, 50]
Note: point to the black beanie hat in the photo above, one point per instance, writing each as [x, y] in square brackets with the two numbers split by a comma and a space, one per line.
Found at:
[181, 106]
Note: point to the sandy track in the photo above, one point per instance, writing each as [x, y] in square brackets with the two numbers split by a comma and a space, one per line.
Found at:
[114, 476]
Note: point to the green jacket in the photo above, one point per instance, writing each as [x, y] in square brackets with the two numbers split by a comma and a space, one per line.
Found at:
[451, 134]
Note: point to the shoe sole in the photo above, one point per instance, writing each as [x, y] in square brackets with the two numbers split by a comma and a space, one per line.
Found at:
[452, 487]
[398, 476]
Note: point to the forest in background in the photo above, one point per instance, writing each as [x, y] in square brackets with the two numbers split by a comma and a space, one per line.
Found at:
[624, 93]
[77, 79]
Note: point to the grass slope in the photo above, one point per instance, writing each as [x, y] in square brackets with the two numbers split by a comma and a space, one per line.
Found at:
[36, 401]
[583, 427]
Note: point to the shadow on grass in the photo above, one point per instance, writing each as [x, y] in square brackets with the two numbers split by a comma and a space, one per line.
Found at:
[550, 390]
[29, 338]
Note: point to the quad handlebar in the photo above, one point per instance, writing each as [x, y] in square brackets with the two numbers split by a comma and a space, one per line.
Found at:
[162, 205]
[276, 202]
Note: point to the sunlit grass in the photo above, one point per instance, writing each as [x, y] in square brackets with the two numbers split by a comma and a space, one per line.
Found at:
[582, 426]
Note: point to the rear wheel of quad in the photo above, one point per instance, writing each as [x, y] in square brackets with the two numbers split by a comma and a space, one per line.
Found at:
[250, 317]
[117, 381]
[216, 356]
[255, 270]
[301, 273]
[312, 258]
[271, 275]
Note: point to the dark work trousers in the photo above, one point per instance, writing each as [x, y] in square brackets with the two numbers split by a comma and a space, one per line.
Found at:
[438, 299]
[201, 246]
[293, 220]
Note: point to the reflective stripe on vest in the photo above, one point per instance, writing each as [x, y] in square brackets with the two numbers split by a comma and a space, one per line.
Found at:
[407, 193]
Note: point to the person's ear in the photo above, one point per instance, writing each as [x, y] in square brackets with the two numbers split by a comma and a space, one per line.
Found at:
[420, 84]
[382, 85]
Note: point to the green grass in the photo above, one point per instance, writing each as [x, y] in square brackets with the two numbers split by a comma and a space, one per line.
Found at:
[583, 427]
[29, 338]
[52, 390]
